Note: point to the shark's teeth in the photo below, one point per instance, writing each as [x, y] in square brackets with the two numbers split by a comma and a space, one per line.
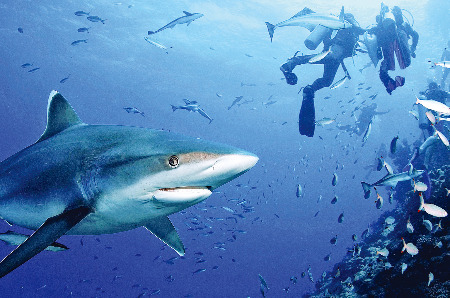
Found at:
[182, 194]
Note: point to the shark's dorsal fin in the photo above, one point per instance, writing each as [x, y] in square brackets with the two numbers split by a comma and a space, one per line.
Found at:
[187, 13]
[303, 12]
[60, 116]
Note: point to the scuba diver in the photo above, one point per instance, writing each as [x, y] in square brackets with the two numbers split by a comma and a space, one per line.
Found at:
[340, 47]
[445, 57]
[392, 36]
[432, 93]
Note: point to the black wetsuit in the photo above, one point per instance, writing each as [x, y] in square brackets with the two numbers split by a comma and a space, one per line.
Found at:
[342, 46]
[392, 37]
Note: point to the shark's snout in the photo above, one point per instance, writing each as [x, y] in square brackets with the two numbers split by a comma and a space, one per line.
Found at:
[230, 166]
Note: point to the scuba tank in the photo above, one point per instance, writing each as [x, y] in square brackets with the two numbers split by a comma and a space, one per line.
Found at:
[317, 36]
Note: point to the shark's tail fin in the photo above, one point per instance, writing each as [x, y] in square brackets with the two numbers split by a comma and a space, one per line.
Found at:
[151, 32]
[174, 108]
[270, 28]
[366, 188]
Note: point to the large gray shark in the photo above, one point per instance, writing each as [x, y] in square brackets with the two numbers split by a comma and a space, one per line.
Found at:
[187, 18]
[84, 179]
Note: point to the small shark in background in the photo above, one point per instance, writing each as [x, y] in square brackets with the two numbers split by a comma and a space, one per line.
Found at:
[134, 111]
[236, 100]
[187, 18]
[309, 19]
[391, 179]
[192, 106]
[85, 179]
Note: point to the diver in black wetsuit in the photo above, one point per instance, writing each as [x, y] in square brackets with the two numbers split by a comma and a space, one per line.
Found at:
[392, 36]
[342, 46]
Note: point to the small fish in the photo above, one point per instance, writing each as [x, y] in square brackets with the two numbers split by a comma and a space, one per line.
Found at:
[394, 145]
[431, 208]
[380, 163]
[95, 19]
[334, 181]
[409, 227]
[325, 121]
[25, 65]
[319, 56]
[441, 136]
[263, 281]
[410, 248]
[156, 44]
[391, 198]
[83, 29]
[198, 271]
[419, 186]
[327, 258]
[378, 201]
[404, 266]
[34, 69]
[20, 29]
[387, 265]
[431, 117]
[427, 224]
[334, 240]
[77, 42]
[341, 218]
[445, 64]
[218, 95]
[414, 113]
[65, 79]
[248, 55]
[368, 130]
[339, 83]
[384, 252]
[334, 200]
[229, 209]
[438, 244]
[299, 191]
[430, 278]
[81, 13]
[354, 237]
[434, 105]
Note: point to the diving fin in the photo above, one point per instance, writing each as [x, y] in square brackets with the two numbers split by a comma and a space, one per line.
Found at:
[163, 228]
[307, 116]
[48, 233]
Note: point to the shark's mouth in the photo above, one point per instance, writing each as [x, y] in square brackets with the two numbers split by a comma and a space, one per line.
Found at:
[182, 194]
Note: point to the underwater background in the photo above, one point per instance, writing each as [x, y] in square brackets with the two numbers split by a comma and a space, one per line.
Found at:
[225, 54]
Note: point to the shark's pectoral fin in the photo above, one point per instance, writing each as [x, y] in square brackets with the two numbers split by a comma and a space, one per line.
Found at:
[48, 233]
[188, 23]
[163, 228]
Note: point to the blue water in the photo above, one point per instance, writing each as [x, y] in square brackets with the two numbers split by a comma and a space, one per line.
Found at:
[229, 45]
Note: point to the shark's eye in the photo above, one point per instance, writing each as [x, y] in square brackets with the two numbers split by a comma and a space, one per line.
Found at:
[173, 161]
